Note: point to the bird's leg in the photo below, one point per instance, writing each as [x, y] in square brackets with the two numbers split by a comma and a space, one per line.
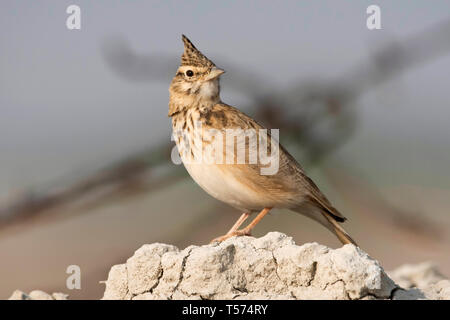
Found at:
[245, 231]
[239, 222]
[233, 229]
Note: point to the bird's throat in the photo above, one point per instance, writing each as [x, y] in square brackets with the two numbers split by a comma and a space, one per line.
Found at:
[203, 99]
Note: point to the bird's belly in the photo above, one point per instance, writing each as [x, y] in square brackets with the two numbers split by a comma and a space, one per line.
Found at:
[226, 187]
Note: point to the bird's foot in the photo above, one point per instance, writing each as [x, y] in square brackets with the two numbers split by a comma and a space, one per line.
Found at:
[237, 233]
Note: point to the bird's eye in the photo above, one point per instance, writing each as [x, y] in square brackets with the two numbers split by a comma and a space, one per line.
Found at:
[189, 73]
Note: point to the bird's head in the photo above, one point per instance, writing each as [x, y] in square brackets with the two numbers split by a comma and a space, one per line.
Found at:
[196, 81]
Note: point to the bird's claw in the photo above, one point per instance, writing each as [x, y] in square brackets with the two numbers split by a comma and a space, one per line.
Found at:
[237, 233]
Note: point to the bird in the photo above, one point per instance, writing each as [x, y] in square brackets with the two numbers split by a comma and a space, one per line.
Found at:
[201, 121]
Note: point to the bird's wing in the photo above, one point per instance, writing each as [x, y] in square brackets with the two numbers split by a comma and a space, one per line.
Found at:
[312, 189]
[290, 181]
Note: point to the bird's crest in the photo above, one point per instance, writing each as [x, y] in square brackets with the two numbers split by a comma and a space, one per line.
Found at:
[193, 57]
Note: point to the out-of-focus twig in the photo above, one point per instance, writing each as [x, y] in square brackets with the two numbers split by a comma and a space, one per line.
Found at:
[409, 223]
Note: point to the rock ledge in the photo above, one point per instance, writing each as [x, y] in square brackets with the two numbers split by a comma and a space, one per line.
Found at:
[271, 267]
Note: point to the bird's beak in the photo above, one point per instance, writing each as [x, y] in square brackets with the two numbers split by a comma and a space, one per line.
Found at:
[214, 73]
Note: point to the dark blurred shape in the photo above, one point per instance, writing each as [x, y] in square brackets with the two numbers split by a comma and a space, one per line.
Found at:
[411, 225]
[129, 175]
[120, 57]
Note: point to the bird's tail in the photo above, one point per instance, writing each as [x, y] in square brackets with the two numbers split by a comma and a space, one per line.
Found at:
[342, 235]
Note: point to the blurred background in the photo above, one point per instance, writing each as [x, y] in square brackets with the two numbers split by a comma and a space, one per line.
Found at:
[85, 170]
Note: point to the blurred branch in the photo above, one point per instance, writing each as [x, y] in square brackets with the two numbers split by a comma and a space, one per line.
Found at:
[132, 66]
[135, 170]
[409, 224]
[309, 105]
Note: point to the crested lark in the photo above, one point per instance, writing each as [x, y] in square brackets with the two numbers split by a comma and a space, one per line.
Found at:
[197, 111]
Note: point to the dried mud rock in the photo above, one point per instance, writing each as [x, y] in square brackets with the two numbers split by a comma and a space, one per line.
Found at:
[271, 267]
[37, 295]
[420, 281]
